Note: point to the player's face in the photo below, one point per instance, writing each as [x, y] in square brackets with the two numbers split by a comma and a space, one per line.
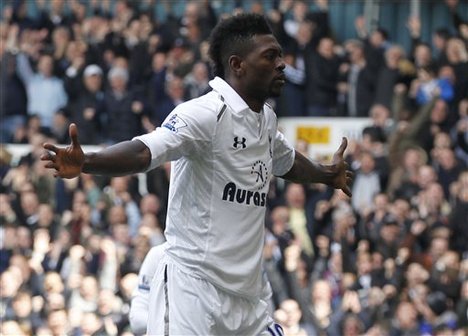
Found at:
[264, 66]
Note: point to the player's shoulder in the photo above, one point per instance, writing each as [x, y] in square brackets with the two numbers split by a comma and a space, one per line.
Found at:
[203, 109]
[157, 251]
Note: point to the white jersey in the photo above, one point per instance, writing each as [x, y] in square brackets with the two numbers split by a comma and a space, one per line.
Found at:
[224, 155]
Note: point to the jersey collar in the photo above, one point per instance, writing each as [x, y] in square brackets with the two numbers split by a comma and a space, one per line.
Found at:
[231, 97]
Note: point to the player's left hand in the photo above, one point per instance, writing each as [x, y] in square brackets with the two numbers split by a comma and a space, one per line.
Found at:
[343, 176]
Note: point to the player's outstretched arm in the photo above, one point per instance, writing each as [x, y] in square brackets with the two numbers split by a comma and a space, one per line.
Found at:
[124, 158]
[335, 174]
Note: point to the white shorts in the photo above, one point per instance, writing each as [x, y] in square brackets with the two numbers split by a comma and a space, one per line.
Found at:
[182, 304]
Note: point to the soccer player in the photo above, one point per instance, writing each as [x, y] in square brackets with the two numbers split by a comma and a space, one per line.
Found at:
[224, 147]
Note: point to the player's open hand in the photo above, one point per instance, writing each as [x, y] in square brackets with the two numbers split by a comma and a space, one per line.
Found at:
[343, 176]
[67, 162]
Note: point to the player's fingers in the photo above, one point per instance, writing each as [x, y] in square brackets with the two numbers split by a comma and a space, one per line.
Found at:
[51, 165]
[342, 148]
[73, 131]
[347, 191]
[48, 157]
[346, 165]
[349, 174]
[50, 147]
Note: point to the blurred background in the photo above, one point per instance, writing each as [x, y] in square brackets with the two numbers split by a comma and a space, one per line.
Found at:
[392, 76]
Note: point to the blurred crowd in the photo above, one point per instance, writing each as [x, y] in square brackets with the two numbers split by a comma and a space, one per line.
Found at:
[393, 260]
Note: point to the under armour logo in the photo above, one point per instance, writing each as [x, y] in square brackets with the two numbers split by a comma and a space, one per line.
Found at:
[238, 142]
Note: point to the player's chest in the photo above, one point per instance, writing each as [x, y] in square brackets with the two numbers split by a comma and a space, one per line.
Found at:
[241, 139]
[243, 149]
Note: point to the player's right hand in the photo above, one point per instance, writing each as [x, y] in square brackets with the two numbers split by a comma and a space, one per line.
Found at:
[67, 162]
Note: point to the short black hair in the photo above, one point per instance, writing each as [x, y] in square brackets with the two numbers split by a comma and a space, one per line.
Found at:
[376, 133]
[229, 37]
[382, 31]
[443, 32]
[430, 68]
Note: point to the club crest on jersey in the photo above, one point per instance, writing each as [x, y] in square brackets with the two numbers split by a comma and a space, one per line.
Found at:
[260, 172]
[239, 142]
[175, 123]
[232, 193]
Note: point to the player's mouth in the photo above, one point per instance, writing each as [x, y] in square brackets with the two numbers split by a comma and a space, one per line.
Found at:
[281, 79]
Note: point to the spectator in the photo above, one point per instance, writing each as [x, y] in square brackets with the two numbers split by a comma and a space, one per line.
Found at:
[119, 193]
[422, 55]
[320, 309]
[405, 321]
[27, 318]
[412, 160]
[57, 322]
[280, 227]
[459, 132]
[322, 76]
[196, 82]
[11, 281]
[292, 325]
[60, 42]
[295, 200]
[14, 100]
[108, 311]
[11, 327]
[359, 83]
[428, 86]
[457, 56]
[85, 110]
[153, 218]
[85, 296]
[273, 267]
[46, 94]
[123, 109]
[366, 184]
[439, 40]
[91, 324]
[351, 325]
[293, 103]
[462, 306]
[157, 81]
[447, 168]
[136, 254]
[53, 16]
[389, 75]
[174, 95]
[20, 15]
[299, 15]
[375, 44]
[459, 212]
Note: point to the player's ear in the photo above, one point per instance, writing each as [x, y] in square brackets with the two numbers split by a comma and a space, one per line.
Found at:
[235, 64]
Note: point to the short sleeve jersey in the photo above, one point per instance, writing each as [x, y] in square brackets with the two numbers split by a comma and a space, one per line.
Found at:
[223, 156]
